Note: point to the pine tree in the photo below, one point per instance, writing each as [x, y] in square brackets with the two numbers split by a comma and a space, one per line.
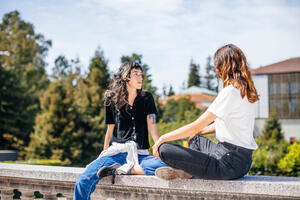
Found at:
[11, 98]
[171, 91]
[62, 67]
[194, 75]
[99, 73]
[71, 125]
[164, 89]
[272, 129]
[24, 59]
[211, 76]
[272, 148]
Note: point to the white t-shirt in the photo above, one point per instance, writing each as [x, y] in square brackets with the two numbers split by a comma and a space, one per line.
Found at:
[235, 122]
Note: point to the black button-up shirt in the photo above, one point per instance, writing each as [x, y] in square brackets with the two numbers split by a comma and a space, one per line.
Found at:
[131, 123]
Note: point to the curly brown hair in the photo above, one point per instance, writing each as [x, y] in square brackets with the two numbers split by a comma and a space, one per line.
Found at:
[117, 93]
[232, 67]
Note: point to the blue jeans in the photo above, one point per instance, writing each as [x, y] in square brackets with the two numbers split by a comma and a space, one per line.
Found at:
[86, 183]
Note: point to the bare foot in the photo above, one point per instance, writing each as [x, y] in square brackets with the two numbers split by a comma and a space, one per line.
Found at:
[137, 170]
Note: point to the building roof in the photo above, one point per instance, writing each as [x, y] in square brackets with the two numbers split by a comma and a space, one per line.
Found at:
[199, 96]
[198, 99]
[197, 90]
[290, 65]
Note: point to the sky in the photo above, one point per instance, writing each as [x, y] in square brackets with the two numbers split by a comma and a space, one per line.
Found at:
[168, 33]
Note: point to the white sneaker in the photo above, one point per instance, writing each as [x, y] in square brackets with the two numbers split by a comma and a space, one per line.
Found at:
[168, 173]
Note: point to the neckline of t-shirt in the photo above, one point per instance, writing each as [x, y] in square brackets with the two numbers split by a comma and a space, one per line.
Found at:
[134, 101]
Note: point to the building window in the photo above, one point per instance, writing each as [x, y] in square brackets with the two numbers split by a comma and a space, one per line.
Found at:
[284, 95]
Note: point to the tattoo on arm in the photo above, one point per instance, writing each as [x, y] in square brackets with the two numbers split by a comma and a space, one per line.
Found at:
[152, 117]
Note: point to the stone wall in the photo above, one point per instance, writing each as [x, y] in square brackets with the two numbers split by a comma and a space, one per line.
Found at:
[50, 181]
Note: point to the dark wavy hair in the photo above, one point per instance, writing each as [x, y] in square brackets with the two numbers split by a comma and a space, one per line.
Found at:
[117, 93]
[232, 67]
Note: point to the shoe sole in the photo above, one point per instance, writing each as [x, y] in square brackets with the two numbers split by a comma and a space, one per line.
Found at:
[168, 173]
[102, 172]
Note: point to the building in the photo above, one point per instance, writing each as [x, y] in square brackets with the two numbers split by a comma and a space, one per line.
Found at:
[278, 85]
[202, 97]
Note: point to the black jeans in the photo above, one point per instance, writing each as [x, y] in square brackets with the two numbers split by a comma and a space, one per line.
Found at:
[208, 160]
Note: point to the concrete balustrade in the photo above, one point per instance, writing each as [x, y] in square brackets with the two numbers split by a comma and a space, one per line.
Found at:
[50, 181]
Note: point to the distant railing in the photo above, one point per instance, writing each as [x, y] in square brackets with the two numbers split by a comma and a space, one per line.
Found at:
[50, 182]
[58, 183]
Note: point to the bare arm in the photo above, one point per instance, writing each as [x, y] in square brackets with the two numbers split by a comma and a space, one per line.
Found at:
[109, 132]
[152, 128]
[210, 129]
[185, 131]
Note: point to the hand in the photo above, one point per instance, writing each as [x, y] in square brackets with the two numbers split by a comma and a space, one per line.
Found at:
[156, 146]
[191, 137]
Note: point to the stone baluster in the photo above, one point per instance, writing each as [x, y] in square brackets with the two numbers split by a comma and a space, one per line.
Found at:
[49, 196]
[67, 197]
[7, 193]
[63, 198]
[27, 194]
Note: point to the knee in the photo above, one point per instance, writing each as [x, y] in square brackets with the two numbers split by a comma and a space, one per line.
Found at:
[163, 150]
[150, 164]
[82, 180]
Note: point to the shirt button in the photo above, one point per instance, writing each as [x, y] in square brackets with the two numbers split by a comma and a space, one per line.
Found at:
[133, 128]
[132, 118]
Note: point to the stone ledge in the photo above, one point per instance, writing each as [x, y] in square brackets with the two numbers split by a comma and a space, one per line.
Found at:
[255, 186]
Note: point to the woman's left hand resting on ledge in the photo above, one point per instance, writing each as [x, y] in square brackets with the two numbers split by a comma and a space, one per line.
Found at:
[191, 129]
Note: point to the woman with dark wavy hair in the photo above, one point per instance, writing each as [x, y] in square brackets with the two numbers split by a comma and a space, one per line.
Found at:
[129, 114]
[233, 114]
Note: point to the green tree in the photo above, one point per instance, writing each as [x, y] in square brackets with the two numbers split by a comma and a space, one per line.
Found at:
[174, 115]
[194, 75]
[169, 111]
[99, 73]
[211, 76]
[71, 125]
[164, 90]
[11, 97]
[272, 130]
[24, 59]
[272, 148]
[290, 163]
[180, 110]
[171, 91]
[61, 67]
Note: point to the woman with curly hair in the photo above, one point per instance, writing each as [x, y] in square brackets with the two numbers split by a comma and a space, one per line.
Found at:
[233, 113]
[130, 113]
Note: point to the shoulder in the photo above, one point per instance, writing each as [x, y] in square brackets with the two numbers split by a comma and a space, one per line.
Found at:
[228, 88]
[228, 91]
[108, 102]
[146, 95]
[226, 94]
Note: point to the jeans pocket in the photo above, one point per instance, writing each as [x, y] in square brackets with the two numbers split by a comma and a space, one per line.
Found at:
[237, 165]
